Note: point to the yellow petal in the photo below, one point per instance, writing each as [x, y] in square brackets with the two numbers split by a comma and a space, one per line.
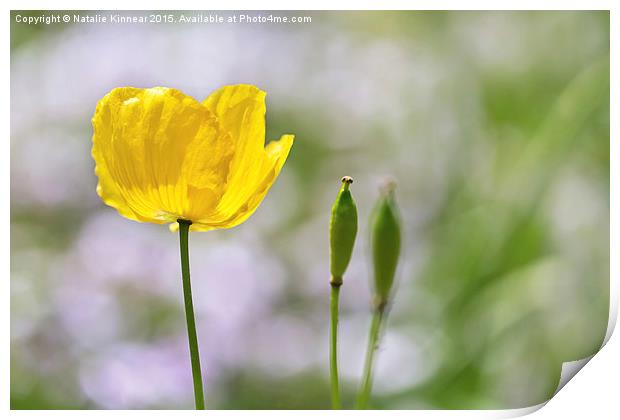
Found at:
[162, 156]
[149, 146]
[274, 155]
[240, 110]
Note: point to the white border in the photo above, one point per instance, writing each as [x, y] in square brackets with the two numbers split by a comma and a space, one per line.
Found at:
[311, 5]
[596, 389]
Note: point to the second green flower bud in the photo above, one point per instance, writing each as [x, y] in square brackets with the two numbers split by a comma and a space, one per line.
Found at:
[385, 244]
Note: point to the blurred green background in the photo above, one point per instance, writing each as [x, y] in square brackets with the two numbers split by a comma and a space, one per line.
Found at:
[495, 126]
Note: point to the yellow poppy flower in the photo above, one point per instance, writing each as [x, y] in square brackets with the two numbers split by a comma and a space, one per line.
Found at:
[162, 156]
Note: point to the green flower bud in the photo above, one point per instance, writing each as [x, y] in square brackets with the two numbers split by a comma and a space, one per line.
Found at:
[385, 244]
[342, 231]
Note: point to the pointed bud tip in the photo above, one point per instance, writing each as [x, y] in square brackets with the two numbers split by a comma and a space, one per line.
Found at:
[388, 186]
[346, 181]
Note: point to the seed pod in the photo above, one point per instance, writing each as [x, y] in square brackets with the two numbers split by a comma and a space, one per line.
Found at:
[385, 244]
[342, 231]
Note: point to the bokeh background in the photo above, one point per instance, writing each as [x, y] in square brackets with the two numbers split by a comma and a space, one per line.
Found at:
[494, 125]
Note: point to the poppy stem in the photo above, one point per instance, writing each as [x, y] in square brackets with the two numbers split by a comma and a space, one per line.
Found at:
[333, 344]
[189, 314]
[373, 343]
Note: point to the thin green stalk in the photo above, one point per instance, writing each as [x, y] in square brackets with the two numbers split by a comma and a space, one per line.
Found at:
[373, 343]
[189, 315]
[333, 345]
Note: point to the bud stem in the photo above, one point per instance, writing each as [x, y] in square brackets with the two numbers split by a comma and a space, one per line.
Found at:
[373, 343]
[333, 345]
